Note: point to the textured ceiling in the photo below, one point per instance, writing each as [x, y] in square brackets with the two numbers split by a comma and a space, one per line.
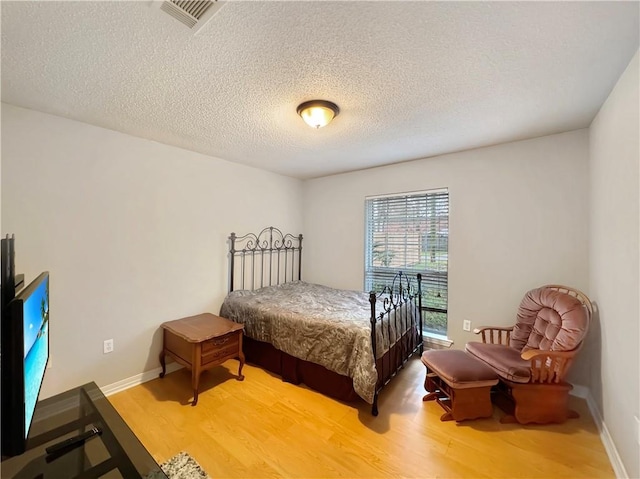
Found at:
[412, 79]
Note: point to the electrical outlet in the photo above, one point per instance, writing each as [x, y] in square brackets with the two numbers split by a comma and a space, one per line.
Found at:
[108, 346]
[466, 325]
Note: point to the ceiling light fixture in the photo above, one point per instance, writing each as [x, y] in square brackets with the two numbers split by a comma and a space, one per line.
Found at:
[318, 113]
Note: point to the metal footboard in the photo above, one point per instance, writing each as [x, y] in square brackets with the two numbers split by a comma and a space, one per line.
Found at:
[396, 326]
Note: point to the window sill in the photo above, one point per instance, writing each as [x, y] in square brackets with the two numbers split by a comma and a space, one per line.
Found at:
[436, 341]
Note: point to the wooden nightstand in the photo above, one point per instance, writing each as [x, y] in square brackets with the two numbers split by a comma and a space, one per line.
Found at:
[201, 342]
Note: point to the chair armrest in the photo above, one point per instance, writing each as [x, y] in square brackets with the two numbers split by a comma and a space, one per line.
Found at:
[495, 334]
[548, 366]
[534, 353]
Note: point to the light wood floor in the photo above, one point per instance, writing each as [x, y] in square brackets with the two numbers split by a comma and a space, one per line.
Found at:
[263, 427]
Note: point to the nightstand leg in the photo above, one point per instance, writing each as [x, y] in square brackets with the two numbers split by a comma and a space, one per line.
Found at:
[240, 376]
[195, 391]
[196, 370]
[162, 363]
[195, 383]
[240, 358]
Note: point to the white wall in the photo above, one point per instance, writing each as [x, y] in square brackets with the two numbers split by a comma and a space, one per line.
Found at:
[518, 220]
[133, 233]
[614, 261]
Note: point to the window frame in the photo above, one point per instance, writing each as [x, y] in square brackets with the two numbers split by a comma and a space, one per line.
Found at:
[438, 277]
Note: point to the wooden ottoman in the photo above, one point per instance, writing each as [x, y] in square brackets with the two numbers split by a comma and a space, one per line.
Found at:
[459, 383]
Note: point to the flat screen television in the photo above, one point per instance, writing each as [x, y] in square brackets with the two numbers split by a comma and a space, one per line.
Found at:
[25, 353]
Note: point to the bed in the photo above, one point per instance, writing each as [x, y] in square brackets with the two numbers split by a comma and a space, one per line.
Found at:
[345, 344]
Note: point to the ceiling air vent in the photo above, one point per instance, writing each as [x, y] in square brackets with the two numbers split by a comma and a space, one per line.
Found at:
[192, 13]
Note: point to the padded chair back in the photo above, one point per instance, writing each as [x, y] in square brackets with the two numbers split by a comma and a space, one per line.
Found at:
[551, 318]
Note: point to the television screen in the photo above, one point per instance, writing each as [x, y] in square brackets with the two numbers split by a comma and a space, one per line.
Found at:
[35, 314]
[25, 352]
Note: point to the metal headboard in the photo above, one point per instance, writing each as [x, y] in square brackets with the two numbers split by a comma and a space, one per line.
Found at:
[264, 259]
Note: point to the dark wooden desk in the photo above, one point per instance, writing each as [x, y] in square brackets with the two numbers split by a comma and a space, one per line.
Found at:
[201, 342]
[115, 453]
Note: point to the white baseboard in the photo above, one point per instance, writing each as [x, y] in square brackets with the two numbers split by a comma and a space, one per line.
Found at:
[137, 379]
[72, 402]
[45, 412]
[435, 341]
[580, 391]
[616, 462]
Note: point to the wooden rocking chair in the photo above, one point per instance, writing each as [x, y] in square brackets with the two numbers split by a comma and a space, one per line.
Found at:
[532, 358]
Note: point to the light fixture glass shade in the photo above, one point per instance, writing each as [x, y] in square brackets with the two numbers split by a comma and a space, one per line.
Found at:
[318, 113]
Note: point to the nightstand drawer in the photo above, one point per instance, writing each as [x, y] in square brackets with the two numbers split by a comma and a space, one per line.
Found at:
[224, 352]
[223, 342]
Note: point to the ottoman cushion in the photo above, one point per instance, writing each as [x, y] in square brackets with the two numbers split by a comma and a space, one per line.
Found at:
[506, 361]
[459, 369]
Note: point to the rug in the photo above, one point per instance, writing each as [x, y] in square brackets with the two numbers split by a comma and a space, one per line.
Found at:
[183, 466]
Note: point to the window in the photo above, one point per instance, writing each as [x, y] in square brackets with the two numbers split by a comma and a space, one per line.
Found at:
[410, 232]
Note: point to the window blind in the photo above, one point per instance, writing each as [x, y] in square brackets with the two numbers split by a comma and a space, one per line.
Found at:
[409, 232]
